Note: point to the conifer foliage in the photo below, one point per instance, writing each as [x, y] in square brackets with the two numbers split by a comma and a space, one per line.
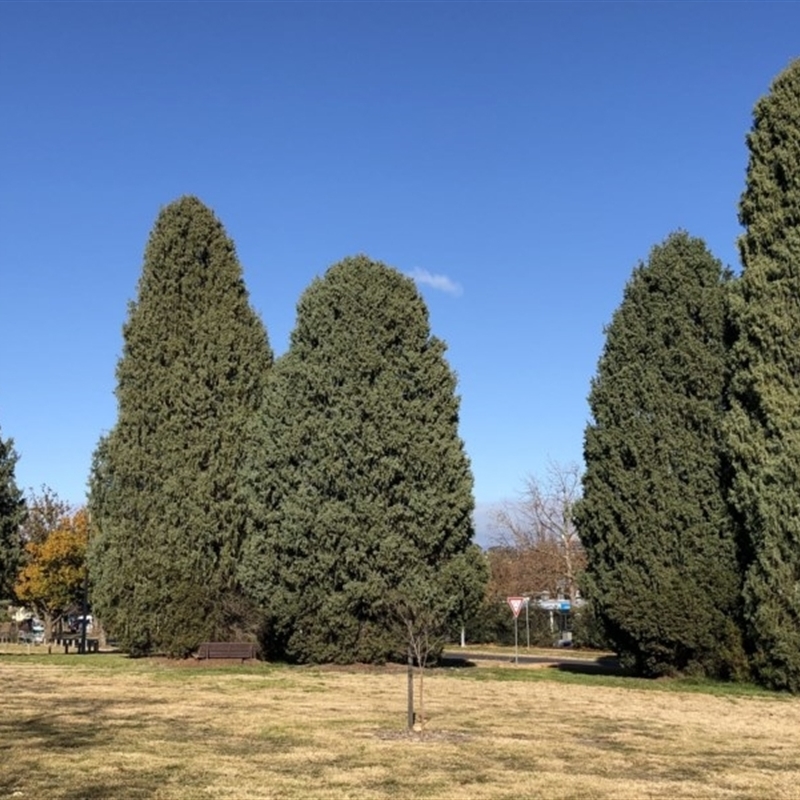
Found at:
[12, 513]
[365, 488]
[165, 488]
[662, 573]
[764, 421]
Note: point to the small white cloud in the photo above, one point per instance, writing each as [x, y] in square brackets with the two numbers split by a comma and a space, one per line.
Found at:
[440, 282]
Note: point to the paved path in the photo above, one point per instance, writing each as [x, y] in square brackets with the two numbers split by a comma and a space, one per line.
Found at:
[603, 664]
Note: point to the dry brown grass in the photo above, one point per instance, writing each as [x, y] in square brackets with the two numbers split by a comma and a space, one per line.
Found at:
[91, 727]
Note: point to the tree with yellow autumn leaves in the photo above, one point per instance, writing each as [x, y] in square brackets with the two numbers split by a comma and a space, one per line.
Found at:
[53, 576]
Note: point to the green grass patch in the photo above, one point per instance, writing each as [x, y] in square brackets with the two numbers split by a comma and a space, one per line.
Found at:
[509, 674]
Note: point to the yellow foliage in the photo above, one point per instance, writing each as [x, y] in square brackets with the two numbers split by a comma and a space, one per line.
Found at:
[53, 577]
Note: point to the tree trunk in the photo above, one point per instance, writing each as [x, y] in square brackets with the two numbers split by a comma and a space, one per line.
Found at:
[49, 624]
[421, 697]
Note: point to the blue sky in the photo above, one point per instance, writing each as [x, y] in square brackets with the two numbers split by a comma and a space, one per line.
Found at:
[522, 156]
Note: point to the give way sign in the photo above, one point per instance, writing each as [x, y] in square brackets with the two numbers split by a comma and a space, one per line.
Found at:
[516, 604]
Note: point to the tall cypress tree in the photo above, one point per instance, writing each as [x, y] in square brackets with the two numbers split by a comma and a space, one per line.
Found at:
[165, 489]
[764, 423]
[662, 572]
[365, 486]
[12, 513]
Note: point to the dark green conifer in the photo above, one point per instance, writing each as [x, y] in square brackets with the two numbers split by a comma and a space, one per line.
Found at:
[12, 513]
[764, 422]
[365, 486]
[662, 573]
[165, 489]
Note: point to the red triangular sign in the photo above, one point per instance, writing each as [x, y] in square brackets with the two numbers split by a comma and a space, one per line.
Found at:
[516, 604]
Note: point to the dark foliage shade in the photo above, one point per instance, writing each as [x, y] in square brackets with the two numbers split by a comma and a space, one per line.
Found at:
[764, 422]
[12, 513]
[662, 573]
[166, 490]
[363, 483]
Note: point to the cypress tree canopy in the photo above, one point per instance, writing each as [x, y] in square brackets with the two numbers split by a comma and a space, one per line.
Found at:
[764, 422]
[12, 513]
[165, 490]
[662, 571]
[365, 487]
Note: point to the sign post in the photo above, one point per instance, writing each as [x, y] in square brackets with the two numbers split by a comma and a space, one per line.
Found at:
[527, 624]
[515, 604]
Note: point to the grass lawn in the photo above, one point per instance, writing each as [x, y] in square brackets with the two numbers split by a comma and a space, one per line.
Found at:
[105, 726]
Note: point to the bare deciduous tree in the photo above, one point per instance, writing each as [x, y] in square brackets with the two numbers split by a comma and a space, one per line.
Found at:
[421, 615]
[537, 548]
[46, 511]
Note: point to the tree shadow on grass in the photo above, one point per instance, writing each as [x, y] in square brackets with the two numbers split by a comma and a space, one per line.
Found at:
[44, 739]
[139, 785]
[67, 724]
[12, 777]
[455, 662]
[605, 665]
[35, 735]
[132, 785]
[602, 665]
[52, 731]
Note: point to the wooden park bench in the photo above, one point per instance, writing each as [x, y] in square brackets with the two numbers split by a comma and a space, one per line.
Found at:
[241, 650]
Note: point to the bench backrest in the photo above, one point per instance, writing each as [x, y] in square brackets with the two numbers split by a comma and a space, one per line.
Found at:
[227, 650]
